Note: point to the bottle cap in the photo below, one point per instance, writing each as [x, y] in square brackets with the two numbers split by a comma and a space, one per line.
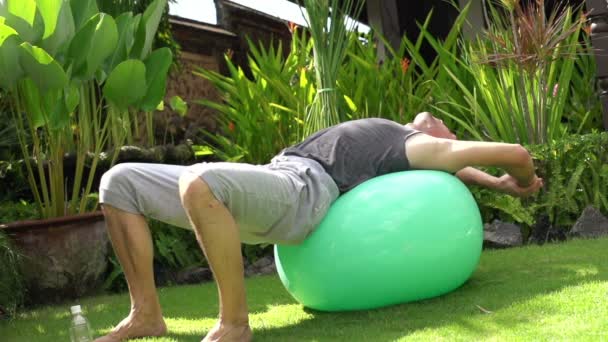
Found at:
[75, 309]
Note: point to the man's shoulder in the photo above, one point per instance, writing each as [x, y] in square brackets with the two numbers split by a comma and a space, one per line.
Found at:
[371, 121]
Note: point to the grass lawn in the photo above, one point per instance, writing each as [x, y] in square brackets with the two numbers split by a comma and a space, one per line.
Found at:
[556, 292]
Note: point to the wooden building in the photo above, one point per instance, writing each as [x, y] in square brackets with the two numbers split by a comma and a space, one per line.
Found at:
[204, 46]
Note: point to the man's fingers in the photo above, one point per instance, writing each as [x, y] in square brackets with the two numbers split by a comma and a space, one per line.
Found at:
[531, 189]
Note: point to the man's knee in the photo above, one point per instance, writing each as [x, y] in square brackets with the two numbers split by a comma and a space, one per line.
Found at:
[116, 177]
[118, 190]
[193, 188]
[110, 210]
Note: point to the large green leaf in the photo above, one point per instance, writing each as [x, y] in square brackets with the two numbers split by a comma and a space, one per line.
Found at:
[64, 31]
[52, 109]
[83, 10]
[179, 105]
[6, 31]
[95, 42]
[157, 68]
[146, 30]
[24, 9]
[57, 110]
[126, 84]
[9, 57]
[46, 73]
[32, 100]
[71, 97]
[23, 16]
[124, 24]
[49, 9]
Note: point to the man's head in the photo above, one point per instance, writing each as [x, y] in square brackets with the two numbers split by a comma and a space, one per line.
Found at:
[428, 124]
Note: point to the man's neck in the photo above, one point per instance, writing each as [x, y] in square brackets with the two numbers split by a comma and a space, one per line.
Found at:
[412, 126]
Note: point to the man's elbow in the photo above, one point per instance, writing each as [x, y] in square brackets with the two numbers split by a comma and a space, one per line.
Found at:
[520, 157]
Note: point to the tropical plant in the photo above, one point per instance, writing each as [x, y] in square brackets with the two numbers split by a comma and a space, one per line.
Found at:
[270, 106]
[402, 84]
[583, 108]
[141, 128]
[329, 28]
[164, 35]
[468, 93]
[522, 69]
[274, 100]
[175, 247]
[62, 60]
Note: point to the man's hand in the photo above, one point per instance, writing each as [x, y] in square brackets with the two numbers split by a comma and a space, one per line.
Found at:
[509, 185]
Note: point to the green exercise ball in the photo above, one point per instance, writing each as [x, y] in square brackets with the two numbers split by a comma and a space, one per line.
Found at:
[393, 239]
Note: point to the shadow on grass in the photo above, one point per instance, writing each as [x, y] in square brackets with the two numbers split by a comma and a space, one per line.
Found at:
[497, 284]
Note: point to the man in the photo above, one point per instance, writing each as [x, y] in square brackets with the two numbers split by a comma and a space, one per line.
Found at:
[281, 202]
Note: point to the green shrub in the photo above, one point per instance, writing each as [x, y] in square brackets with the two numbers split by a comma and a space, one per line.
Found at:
[575, 171]
[175, 247]
[13, 177]
[12, 288]
[11, 211]
[261, 114]
[535, 92]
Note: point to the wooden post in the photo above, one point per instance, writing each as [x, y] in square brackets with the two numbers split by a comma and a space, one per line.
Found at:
[475, 18]
[384, 18]
[221, 14]
[598, 16]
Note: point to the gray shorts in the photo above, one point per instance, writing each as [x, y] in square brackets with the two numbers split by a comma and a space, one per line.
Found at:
[281, 202]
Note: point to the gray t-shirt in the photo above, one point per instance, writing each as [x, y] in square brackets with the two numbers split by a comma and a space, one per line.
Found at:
[355, 151]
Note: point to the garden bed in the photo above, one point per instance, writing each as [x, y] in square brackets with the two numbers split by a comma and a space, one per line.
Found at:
[553, 292]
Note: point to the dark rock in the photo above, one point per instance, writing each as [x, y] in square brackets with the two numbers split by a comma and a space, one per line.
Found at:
[263, 262]
[163, 275]
[543, 231]
[591, 224]
[501, 235]
[270, 269]
[250, 271]
[540, 232]
[194, 275]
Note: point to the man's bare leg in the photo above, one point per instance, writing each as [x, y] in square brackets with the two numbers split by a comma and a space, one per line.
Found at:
[218, 235]
[132, 244]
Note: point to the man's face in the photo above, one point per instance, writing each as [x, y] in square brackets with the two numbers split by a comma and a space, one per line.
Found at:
[440, 130]
[434, 126]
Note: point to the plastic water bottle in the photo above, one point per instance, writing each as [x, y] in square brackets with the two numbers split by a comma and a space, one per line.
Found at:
[80, 331]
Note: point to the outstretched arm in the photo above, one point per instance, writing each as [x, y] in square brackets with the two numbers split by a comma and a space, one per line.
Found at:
[427, 152]
[472, 176]
[506, 184]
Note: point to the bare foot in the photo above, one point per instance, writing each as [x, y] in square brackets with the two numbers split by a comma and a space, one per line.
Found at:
[135, 325]
[222, 332]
